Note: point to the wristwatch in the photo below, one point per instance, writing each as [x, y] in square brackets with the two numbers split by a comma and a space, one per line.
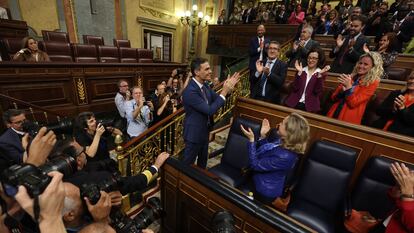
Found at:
[407, 196]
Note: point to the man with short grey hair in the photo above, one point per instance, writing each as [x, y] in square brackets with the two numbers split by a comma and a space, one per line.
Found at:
[301, 47]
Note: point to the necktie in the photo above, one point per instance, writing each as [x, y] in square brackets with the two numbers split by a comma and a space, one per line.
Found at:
[351, 43]
[264, 77]
[203, 92]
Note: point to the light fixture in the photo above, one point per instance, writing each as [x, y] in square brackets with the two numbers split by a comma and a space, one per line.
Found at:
[193, 20]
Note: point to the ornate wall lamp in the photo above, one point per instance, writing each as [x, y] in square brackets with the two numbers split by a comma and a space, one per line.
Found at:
[193, 20]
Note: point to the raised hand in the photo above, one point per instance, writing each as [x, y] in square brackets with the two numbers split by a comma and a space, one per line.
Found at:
[340, 41]
[248, 133]
[399, 102]
[325, 69]
[298, 66]
[365, 47]
[100, 129]
[259, 66]
[100, 211]
[346, 81]
[265, 128]
[404, 177]
[41, 147]
[295, 45]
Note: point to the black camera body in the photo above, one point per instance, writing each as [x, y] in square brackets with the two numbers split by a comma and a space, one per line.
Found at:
[105, 122]
[35, 179]
[92, 191]
[63, 127]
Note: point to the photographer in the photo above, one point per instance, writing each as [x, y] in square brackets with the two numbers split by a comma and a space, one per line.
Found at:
[90, 135]
[138, 113]
[175, 83]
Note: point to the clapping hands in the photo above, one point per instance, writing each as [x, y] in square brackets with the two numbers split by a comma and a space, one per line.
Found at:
[346, 81]
[230, 83]
[248, 133]
[340, 41]
[298, 66]
[399, 103]
[404, 177]
[265, 128]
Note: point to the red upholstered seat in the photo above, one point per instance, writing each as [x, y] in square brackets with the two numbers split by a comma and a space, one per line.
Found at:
[9, 47]
[108, 54]
[62, 37]
[95, 40]
[60, 52]
[144, 55]
[122, 43]
[128, 55]
[85, 53]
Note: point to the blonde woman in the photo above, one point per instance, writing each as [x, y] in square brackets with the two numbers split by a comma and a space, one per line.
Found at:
[356, 89]
[275, 154]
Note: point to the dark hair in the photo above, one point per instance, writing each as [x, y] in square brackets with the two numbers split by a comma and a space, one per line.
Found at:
[274, 42]
[321, 56]
[82, 119]
[120, 81]
[64, 148]
[196, 63]
[25, 41]
[7, 115]
[361, 18]
[392, 37]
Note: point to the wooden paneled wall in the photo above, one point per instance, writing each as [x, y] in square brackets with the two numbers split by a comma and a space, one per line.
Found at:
[367, 141]
[70, 88]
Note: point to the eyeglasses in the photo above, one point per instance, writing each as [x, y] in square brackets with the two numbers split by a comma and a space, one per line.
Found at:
[273, 48]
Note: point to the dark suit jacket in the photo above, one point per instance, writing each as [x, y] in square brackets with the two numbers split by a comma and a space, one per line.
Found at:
[11, 146]
[405, 34]
[350, 56]
[312, 93]
[274, 82]
[403, 120]
[252, 16]
[301, 53]
[198, 112]
[281, 19]
[254, 56]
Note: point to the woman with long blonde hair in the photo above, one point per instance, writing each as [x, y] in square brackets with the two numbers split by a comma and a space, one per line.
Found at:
[275, 154]
[356, 89]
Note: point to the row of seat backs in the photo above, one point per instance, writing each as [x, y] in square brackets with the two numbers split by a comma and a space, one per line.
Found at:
[320, 190]
[66, 52]
[63, 37]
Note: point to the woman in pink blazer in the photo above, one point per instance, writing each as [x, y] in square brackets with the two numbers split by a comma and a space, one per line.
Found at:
[308, 84]
[297, 16]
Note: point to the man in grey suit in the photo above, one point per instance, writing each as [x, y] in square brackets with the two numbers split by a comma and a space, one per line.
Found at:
[301, 47]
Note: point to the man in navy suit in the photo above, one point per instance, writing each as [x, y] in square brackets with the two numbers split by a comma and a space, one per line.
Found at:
[11, 139]
[257, 51]
[270, 76]
[200, 104]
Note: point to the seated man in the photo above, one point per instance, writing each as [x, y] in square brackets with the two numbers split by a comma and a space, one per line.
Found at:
[138, 112]
[270, 76]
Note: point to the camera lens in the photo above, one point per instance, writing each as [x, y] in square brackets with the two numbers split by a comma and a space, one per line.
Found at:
[65, 165]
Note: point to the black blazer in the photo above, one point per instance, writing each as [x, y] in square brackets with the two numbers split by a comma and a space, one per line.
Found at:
[281, 19]
[350, 56]
[301, 53]
[405, 33]
[251, 16]
[11, 146]
[403, 120]
[274, 83]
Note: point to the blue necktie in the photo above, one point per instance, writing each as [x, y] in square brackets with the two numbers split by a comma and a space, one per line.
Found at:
[264, 77]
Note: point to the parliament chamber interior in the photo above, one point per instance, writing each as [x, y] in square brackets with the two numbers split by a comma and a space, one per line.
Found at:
[207, 116]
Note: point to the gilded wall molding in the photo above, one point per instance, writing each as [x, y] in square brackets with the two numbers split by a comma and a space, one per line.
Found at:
[81, 90]
[155, 13]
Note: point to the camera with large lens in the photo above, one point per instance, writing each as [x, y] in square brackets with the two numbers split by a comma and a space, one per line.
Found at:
[62, 127]
[35, 179]
[105, 122]
[151, 212]
[223, 222]
[92, 191]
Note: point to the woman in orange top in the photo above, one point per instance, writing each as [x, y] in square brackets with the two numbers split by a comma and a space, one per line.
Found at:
[356, 89]
[397, 110]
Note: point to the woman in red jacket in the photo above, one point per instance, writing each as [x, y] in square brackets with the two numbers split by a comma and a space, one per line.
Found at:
[355, 90]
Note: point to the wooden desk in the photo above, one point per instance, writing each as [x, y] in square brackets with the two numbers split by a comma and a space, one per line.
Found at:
[13, 28]
[71, 88]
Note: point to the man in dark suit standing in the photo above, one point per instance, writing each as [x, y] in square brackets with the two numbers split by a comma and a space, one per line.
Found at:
[349, 48]
[200, 104]
[249, 14]
[11, 139]
[301, 47]
[270, 75]
[403, 26]
[257, 51]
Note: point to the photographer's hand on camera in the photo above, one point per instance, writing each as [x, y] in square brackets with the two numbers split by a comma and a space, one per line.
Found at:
[50, 204]
[100, 211]
[116, 198]
[40, 147]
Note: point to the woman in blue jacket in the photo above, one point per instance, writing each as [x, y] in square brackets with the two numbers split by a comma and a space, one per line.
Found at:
[271, 157]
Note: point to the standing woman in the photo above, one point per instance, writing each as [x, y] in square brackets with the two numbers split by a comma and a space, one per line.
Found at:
[30, 52]
[308, 84]
[355, 90]
[273, 156]
[297, 16]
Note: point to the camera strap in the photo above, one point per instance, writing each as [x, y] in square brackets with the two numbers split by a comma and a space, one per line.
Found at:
[36, 208]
